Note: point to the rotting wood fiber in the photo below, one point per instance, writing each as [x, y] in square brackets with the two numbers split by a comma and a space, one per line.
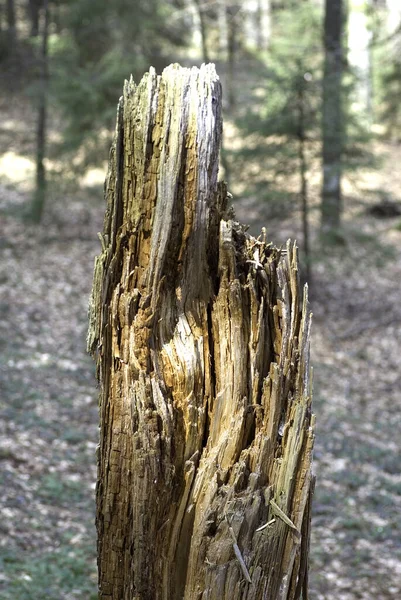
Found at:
[201, 339]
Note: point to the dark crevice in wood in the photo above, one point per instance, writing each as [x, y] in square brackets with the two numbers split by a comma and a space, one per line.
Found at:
[173, 265]
[211, 357]
[205, 437]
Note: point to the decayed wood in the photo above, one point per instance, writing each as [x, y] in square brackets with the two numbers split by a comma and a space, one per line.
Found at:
[202, 346]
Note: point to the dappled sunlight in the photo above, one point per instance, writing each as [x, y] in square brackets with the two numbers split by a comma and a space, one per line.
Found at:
[17, 170]
[93, 177]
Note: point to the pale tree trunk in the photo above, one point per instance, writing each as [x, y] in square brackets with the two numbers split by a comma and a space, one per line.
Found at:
[201, 6]
[202, 348]
[393, 20]
[332, 123]
[359, 57]
[264, 25]
[223, 28]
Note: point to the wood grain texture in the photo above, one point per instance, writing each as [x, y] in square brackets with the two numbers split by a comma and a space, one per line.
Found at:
[201, 339]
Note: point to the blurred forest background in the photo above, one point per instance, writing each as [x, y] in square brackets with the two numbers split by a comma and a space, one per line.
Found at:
[312, 151]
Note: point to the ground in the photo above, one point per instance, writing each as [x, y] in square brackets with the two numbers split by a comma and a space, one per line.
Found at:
[49, 417]
[48, 403]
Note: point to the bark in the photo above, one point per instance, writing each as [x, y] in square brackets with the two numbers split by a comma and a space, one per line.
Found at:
[202, 348]
[332, 124]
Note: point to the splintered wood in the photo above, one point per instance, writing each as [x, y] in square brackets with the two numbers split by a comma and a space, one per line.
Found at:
[201, 339]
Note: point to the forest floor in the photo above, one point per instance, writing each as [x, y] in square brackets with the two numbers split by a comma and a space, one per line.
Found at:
[48, 401]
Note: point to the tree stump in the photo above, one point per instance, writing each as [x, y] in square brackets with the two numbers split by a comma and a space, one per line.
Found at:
[201, 341]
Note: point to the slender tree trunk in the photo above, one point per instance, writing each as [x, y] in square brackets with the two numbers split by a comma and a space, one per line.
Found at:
[200, 5]
[39, 198]
[11, 25]
[34, 12]
[223, 28]
[57, 16]
[303, 171]
[232, 17]
[264, 26]
[332, 116]
[202, 348]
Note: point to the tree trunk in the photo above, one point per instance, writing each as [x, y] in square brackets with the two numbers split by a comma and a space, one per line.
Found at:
[202, 14]
[332, 116]
[303, 168]
[222, 28]
[202, 351]
[264, 26]
[39, 197]
[232, 26]
[34, 12]
[11, 26]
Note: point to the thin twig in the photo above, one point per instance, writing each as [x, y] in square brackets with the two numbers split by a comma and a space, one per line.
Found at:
[266, 525]
[239, 556]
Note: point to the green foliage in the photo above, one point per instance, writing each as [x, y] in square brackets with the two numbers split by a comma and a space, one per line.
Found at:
[386, 75]
[290, 73]
[98, 47]
[391, 94]
[59, 490]
[356, 153]
[293, 62]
